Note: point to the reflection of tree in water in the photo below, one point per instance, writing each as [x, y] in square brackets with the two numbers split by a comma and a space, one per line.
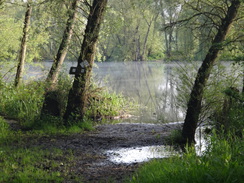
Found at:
[167, 108]
[150, 84]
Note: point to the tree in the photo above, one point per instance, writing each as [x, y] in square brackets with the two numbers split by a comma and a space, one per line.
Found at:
[170, 13]
[77, 99]
[63, 48]
[194, 104]
[130, 31]
[50, 104]
[1, 2]
[10, 33]
[23, 48]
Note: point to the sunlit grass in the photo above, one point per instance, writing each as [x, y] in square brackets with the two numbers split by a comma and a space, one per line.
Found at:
[223, 163]
[22, 162]
[29, 165]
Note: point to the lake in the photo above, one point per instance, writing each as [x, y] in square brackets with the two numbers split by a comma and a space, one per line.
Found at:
[152, 85]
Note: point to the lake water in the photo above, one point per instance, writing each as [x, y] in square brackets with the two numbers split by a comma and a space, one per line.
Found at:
[152, 85]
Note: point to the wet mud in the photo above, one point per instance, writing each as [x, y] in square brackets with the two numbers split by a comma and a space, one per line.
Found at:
[91, 160]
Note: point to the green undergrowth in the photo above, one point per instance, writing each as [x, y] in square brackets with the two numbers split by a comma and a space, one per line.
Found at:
[222, 163]
[29, 165]
[25, 163]
[104, 104]
[54, 125]
[25, 104]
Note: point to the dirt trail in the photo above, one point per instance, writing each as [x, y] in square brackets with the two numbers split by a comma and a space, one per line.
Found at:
[92, 161]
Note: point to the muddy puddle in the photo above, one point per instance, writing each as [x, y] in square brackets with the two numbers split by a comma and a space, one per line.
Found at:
[139, 154]
[146, 153]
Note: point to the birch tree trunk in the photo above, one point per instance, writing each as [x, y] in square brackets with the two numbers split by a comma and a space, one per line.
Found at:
[194, 104]
[22, 55]
[77, 98]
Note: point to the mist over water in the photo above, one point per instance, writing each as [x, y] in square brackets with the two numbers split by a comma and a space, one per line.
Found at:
[151, 85]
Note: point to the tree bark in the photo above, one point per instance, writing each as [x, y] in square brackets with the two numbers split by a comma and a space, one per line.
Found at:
[142, 57]
[22, 55]
[77, 98]
[51, 103]
[63, 48]
[194, 104]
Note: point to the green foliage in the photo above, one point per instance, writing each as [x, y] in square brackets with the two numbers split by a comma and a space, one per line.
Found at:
[23, 103]
[184, 81]
[129, 32]
[62, 88]
[103, 104]
[86, 125]
[230, 117]
[10, 33]
[47, 124]
[55, 125]
[175, 137]
[223, 163]
[224, 75]
[4, 130]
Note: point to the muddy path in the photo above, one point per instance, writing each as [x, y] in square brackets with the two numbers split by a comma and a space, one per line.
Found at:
[91, 160]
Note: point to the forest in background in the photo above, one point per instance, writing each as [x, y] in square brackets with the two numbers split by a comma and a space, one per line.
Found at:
[51, 111]
[133, 30]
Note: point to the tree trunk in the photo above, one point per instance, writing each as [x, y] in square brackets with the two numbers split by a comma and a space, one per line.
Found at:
[194, 104]
[77, 99]
[22, 55]
[142, 57]
[63, 48]
[51, 103]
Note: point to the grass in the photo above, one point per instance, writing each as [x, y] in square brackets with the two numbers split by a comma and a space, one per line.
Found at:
[104, 104]
[22, 157]
[29, 165]
[25, 104]
[25, 163]
[223, 163]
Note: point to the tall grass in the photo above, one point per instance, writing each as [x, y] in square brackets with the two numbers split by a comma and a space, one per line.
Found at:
[222, 163]
[104, 104]
[23, 103]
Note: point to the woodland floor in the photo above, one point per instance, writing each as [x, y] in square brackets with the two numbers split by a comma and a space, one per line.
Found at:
[90, 159]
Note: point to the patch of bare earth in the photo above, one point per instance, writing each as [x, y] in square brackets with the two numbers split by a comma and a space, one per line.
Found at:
[90, 159]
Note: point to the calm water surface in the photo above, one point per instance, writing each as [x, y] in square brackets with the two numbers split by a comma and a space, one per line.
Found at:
[151, 85]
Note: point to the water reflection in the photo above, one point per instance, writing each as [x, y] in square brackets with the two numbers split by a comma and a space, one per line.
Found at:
[202, 140]
[139, 154]
[146, 153]
[149, 84]
[152, 85]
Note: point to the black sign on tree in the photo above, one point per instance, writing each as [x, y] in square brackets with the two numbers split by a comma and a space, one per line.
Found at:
[83, 65]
